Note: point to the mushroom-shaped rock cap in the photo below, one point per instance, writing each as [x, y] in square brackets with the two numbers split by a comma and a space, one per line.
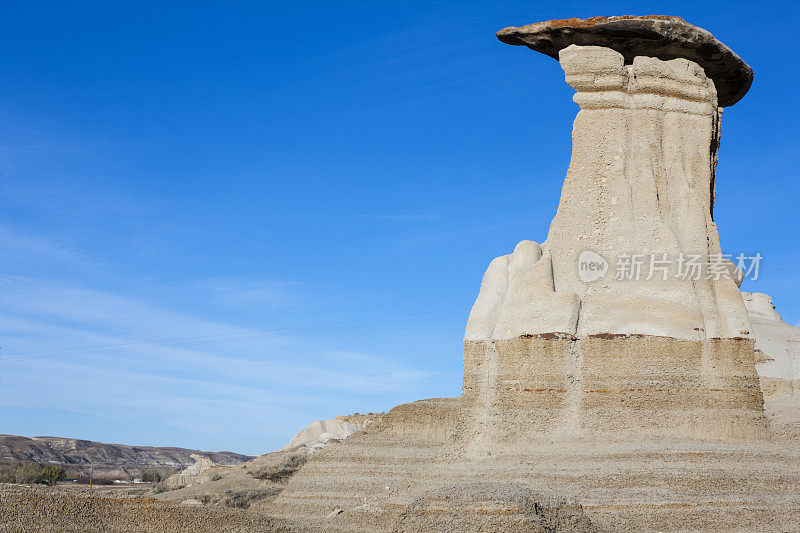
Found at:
[654, 36]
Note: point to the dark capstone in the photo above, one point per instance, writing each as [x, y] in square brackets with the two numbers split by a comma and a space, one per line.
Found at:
[654, 36]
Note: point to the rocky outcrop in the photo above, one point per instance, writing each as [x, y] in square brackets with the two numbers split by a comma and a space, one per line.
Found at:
[778, 344]
[370, 477]
[265, 474]
[201, 465]
[320, 434]
[649, 352]
[189, 474]
[778, 365]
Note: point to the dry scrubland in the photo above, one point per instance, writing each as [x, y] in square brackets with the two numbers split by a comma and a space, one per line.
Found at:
[32, 508]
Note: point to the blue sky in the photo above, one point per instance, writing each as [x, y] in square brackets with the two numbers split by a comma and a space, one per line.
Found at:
[222, 221]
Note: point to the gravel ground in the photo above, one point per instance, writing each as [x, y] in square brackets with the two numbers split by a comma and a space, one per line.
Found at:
[53, 509]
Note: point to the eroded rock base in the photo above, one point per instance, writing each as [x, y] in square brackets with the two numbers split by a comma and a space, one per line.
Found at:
[377, 480]
[493, 507]
[637, 387]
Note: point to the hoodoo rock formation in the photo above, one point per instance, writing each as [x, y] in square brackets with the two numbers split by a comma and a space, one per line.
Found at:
[629, 396]
[648, 353]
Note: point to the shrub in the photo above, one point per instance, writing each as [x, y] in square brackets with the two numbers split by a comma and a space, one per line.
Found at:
[283, 470]
[216, 476]
[242, 499]
[50, 475]
[6, 474]
[162, 487]
[27, 473]
[152, 476]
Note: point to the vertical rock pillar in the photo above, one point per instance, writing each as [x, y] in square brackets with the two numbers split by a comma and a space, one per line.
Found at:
[549, 353]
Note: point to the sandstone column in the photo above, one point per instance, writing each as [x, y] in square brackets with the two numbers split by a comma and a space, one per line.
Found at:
[550, 354]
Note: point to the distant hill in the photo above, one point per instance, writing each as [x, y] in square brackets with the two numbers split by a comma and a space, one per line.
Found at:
[110, 460]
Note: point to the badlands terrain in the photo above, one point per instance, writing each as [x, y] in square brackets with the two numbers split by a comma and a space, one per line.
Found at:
[608, 403]
[209, 496]
[111, 461]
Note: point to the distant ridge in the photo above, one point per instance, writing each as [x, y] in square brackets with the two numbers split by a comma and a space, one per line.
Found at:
[111, 459]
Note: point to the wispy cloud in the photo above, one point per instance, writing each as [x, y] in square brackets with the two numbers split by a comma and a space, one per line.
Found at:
[113, 356]
[238, 291]
[409, 217]
[18, 244]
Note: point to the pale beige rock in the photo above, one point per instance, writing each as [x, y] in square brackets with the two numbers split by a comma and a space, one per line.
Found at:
[779, 341]
[517, 298]
[778, 366]
[201, 465]
[321, 433]
[640, 182]
[190, 474]
[549, 354]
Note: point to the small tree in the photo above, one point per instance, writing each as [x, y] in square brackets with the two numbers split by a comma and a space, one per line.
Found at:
[6, 474]
[27, 473]
[51, 475]
[152, 476]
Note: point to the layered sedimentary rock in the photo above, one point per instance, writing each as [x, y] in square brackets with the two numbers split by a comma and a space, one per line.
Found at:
[113, 461]
[366, 482]
[778, 365]
[493, 506]
[777, 343]
[645, 348]
[637, 399]
[389, 476]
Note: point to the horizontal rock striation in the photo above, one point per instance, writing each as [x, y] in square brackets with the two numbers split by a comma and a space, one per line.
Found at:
[370, 477]
[551, 354]
[528, 389]
[390, 476]
[777, 363]
[638, 399]
[492, 506]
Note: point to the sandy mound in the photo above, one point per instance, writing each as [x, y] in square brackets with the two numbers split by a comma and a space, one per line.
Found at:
[493, 507]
